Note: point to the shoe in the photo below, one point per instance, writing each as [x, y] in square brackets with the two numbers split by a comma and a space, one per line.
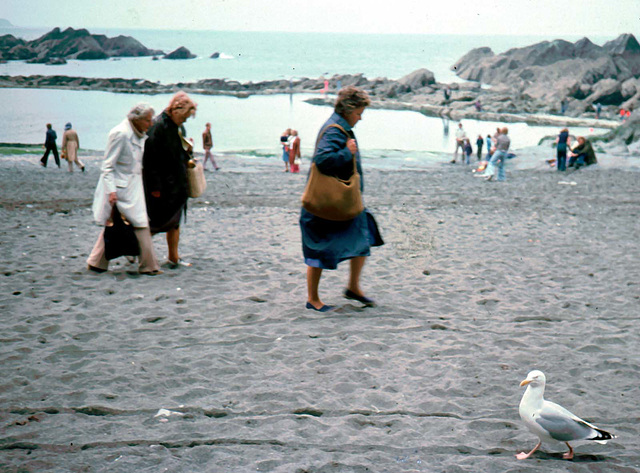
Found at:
[95, 269]
[82, 168]
[155, 272]
[43, 164]
[180, 262]
[453, 161]
[324, 308]
[489, 178]
[364, 300]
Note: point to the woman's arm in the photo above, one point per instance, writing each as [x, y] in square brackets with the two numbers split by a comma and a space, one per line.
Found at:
[333, 155]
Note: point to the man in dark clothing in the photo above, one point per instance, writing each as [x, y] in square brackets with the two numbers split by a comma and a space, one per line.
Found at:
[583, 154]
[50, 146]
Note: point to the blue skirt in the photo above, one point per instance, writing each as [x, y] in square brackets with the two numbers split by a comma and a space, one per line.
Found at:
[325, 243]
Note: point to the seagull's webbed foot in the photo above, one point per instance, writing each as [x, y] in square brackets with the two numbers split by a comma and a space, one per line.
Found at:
[524, 456]
[569, 454]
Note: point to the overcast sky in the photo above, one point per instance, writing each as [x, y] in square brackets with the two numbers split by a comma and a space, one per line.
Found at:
[509, 17]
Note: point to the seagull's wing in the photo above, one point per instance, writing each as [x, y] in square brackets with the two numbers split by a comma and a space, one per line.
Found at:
[562, 425]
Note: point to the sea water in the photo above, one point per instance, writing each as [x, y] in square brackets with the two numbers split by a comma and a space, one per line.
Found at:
[252, 126]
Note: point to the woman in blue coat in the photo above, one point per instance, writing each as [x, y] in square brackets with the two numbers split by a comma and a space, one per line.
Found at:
[325, 243]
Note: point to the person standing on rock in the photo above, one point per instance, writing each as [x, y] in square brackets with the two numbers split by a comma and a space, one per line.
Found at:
[562, 143]
[70, 146]
[207, 144]
[50, 147]
[461, 135]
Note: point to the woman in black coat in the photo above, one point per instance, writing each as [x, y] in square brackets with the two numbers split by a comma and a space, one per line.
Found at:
[165, 172]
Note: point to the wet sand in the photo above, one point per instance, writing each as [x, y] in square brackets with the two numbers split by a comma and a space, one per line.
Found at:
[478, 284]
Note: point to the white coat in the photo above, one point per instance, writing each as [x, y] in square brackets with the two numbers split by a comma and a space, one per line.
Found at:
[122, 174]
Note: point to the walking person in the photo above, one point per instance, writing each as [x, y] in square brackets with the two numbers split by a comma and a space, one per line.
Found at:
[70, 146]
[325, 243]
[120, 185]
[50, 146]
[479, 144]
[207, 144]
[164, 172]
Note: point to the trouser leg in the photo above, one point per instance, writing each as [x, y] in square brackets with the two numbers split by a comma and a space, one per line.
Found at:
[55, 154]
[96, 258]
[147, 260]
[45, 157]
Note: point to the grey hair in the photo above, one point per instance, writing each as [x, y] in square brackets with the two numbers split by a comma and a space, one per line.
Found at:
[139, 111]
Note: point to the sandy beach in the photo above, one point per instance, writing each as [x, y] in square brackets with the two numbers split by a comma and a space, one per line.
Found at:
[478, 284]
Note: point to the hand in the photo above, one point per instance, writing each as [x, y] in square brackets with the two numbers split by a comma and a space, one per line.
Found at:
[113, 198]
[155, 194]
[353, 147]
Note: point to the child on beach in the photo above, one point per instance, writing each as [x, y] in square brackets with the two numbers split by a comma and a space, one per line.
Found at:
[467, 150]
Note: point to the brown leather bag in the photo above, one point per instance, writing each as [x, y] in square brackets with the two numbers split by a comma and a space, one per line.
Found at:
[330, 197]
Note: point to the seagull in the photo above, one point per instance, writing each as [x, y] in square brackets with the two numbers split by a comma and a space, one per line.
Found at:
[549, 421]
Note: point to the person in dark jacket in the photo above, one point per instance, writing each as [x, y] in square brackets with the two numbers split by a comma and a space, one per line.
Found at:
[164, 173]
[325, 243]
[50, 147]
[562, 142]
[583, 154]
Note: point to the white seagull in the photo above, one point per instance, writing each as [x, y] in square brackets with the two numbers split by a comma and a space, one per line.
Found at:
[550, 422]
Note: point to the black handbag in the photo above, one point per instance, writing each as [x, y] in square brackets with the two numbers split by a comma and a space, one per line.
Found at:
[119, 237]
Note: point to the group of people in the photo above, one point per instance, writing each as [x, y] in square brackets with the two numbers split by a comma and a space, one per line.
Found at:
[497, 147]
[581, 154]
[70, 147]
[144, 175]
[290, 142]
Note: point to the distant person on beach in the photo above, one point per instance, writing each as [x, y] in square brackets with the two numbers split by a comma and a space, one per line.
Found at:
[294, 152]
[70, 146]
[326, 243]
[562, 143]
[50, 146]
[207, 144]
[120, 184]
[489, 142]
[598, 108]
[478, 106]
[461, 135]
[563, 106]
[284, 141]
[447, 94]
[479, 144]
[165, 173]
[499, 156]
[583, 154]
[468, 150]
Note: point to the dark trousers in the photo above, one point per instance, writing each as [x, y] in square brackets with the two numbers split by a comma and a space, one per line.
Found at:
[53, 149]
[562, 159]
[578, 160]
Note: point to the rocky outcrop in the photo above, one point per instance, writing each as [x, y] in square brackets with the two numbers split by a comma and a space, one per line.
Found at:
[180, 53]
[71, 44]
[581, 73]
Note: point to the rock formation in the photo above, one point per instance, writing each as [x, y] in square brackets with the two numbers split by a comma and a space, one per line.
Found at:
[71, 44]
[180, 53]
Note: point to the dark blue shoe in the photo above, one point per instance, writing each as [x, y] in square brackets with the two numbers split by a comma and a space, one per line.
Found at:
[324, 308]
[364, 300]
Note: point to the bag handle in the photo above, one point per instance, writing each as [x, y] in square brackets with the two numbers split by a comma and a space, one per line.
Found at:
[341, 128]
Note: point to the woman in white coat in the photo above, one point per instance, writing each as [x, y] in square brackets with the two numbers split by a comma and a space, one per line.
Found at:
[121, 184]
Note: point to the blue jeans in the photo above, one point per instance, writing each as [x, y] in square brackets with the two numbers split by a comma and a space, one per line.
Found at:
[577, 160]
[498, 158]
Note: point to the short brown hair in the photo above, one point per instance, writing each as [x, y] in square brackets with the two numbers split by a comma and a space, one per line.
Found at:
[350, 98]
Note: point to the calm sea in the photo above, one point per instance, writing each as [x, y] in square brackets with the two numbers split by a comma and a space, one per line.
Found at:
[252, 126]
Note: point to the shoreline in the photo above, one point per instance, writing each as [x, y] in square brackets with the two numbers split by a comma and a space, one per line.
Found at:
[429, 105]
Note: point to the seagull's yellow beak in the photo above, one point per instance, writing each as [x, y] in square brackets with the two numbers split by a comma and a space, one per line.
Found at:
[525, 382]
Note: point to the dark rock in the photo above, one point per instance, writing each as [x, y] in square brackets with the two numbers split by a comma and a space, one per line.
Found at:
[180, 53]
[215, 55]
[418, 79]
